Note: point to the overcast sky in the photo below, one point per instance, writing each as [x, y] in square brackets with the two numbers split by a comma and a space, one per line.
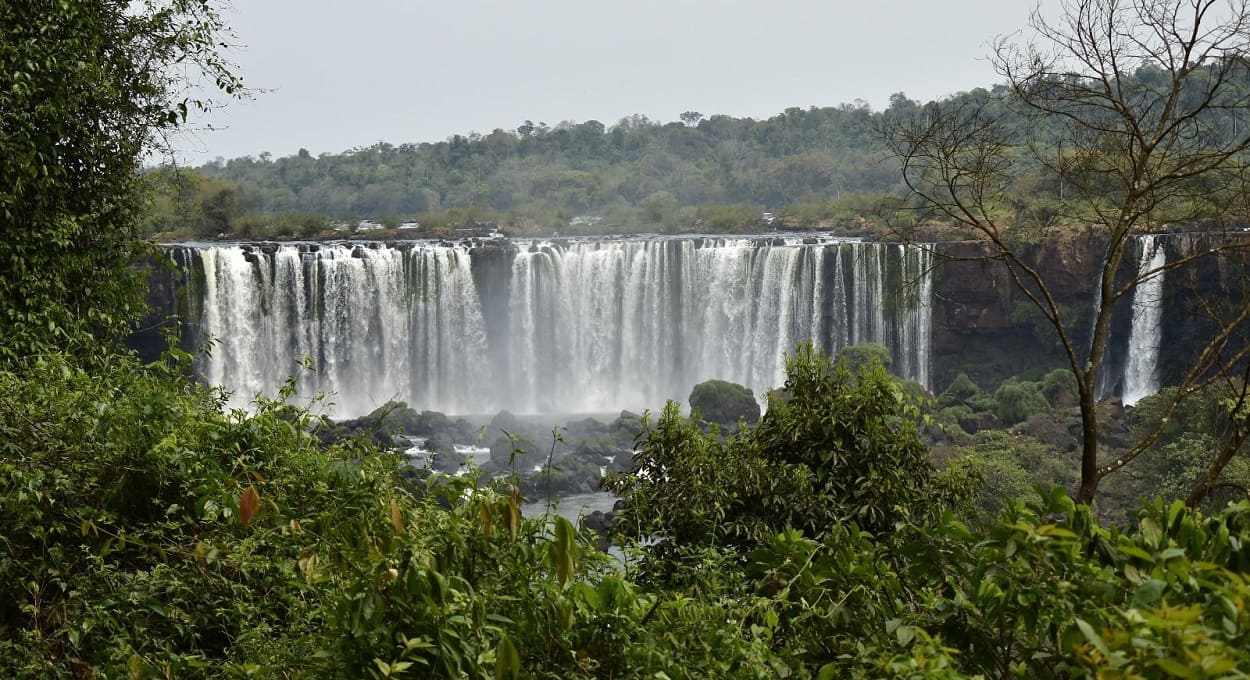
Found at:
[339, 75]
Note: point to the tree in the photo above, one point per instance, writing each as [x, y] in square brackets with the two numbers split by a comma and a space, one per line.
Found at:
[691, 118]
[900, 102]
[86, 90]
[857, 357]
[1132, 110]
[835, 446]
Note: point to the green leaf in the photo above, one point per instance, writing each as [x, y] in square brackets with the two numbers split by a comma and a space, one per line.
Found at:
[1176, 669]
[1093, 637]
[1171, 553]
[1148, 593]
[507, 661]
[1134, 551]
[563, 551]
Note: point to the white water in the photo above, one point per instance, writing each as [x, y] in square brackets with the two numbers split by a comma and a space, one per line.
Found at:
[591, 326]
[1141, 370]
[1102, 380]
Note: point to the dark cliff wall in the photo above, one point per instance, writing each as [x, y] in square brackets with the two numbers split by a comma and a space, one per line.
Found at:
[165, 288]
[985, 326]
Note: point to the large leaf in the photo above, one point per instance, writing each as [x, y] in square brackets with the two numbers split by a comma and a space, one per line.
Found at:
[249, 505]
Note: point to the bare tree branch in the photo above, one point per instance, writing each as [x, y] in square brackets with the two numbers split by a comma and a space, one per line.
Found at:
[1125, 105]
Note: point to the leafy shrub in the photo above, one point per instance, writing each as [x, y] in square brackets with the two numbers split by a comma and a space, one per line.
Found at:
[948, 419]
[1198, 411]
[1059, 387]
[961, 391]
[141, 521]
[1042, 591]
[1013, 467]
[859, 357]
[840, 447]
[1016, 401]
[1174, 467]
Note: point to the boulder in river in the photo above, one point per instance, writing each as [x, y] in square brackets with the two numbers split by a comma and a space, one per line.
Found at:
[724, 403]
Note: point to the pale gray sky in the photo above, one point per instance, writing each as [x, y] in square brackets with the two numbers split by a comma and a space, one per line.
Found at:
[348, 74]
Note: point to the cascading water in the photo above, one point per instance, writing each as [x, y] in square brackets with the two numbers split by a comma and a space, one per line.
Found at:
[376, 323]
[916, 328]
[580, 326]
[1141, 371]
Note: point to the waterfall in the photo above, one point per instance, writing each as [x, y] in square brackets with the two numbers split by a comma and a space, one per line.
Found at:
[916, 330]
[377, 323]
[1141, 371]
[576, 326]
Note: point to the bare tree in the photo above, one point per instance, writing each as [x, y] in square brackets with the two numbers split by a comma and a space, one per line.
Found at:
[1135, 112]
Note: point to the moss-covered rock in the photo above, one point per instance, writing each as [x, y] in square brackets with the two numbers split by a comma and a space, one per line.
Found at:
[503, 450]
[626, 428]
[724, 403]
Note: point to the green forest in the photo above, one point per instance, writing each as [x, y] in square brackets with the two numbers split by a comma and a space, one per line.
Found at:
[831, 168]
[714, 174]
[149, 532]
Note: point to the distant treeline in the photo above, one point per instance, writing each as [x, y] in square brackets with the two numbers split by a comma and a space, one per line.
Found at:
[720, 171]
[819, 166]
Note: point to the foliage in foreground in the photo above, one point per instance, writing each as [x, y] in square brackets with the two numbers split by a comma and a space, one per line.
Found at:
[150, 534]
[835, 447]
[877, 575]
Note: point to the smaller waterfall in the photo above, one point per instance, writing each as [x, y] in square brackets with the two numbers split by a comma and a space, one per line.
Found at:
[1141, 371]
[915, 339]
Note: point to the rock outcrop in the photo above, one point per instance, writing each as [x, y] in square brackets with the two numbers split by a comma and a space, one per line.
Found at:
[724, 403]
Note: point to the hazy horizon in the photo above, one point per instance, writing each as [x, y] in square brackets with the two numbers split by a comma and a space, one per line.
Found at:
[333, 78]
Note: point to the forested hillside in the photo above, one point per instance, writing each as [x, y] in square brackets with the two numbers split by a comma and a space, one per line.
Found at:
[636, 172]
[813, 166]
[585, 166]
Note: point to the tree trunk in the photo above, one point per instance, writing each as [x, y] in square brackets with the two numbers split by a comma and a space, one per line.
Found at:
[1089, 447]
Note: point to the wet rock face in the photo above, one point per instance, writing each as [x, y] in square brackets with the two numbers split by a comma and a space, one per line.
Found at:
[974, 295]
[984, 325]
[1070, 264]
[978, 294]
